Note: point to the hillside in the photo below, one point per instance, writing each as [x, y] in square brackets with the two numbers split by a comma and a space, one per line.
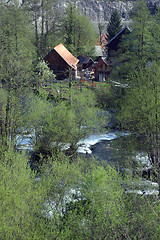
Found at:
[99, 11]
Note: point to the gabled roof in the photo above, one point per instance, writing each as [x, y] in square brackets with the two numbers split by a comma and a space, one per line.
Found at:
[124, 30]
[66, 55]
[100, 62]
[84, 59]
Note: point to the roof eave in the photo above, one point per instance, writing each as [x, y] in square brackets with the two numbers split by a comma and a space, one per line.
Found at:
[117, 35]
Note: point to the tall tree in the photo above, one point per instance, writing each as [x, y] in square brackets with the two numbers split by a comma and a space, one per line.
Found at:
[78, 32]
[140, 106]
[21, 199]
[137, 49]
[114, 25]
[140, 112]
[16, 55]
[44, 18]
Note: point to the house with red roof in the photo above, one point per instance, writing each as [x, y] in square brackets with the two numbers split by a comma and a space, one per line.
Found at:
[62, 62]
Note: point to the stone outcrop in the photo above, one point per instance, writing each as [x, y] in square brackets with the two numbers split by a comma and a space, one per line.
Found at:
[99, 11]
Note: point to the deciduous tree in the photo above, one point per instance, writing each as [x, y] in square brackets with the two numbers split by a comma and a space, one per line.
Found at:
[140, 107]
[59, 124]
[44, 18]
[78, 32]
[17, 54]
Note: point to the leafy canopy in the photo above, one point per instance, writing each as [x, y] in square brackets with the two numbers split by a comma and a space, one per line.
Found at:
[78, 32]
[63, 123]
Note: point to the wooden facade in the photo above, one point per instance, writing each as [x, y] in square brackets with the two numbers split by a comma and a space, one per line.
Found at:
[84, 63]
[102, 70]
[62, 62]
[113, 45]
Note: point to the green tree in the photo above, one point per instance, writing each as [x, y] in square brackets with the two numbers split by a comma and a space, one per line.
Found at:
[44, 18]
[88, 201]
[139, 47]
[140, 112]
[71, 200]
[45, 75]
[21, 200]
[17, 54]
[114, 25]
[140, 107]
[78, 32]
[59, 124]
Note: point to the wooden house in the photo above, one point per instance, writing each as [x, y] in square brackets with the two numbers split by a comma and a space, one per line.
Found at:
[102, 70]
[62, 62]
[113, 45]
[84, 63]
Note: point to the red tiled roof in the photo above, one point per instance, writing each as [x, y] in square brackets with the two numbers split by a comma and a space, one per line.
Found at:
[66, 55]
[102, 40]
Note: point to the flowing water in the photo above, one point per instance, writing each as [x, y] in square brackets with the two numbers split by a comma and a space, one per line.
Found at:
[122, 150]
[126, 153]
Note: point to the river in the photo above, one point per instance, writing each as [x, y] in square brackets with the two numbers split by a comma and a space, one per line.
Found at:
[125, 152]
[122, 150]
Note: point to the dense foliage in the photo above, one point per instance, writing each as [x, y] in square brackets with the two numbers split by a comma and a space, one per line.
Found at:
[139, 109]
[65, 123]
[114, 25]
[17, 54]
[78, 32]
[52, 26]
[66, 195]
[71, 201]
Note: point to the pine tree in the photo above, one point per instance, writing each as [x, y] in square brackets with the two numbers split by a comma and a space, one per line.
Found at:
[114, 25]
[137, 48]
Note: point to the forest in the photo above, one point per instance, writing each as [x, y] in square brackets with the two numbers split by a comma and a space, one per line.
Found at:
[49, 189]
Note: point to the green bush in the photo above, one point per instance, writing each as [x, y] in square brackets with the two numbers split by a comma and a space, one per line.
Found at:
[109, 96]
[65, 122]
[71, 201]
[21, 198]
